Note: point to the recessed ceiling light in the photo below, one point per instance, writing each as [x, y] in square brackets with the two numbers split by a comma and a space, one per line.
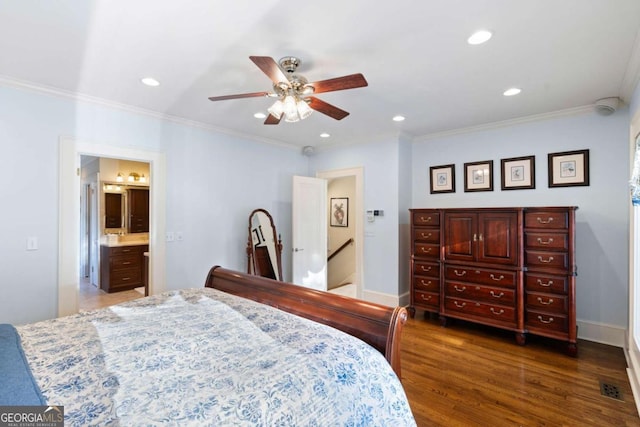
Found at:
[479, 37]
[398, 118]
[324, 135]
[260, 115]
[150, 81]
[512, 91]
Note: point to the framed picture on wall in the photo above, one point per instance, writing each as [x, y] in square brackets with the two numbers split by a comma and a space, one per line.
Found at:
[339, 212]
[518, 173]
[443, 179]
[569, 168]
[478, 176]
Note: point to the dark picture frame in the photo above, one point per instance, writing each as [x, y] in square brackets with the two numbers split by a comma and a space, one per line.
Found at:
[442, 179]
[518, 173]
[478, 176]
[568, 168]
[339, 212]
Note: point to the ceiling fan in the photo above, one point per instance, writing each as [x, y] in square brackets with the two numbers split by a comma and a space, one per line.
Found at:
[294, 92]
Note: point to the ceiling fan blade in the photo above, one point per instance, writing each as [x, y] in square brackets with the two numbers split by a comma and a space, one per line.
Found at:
[271, 120]
[328, 109]
[240, 95]
[339, 83]
[270, 67]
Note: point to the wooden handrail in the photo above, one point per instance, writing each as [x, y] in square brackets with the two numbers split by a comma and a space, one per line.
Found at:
[344, 245]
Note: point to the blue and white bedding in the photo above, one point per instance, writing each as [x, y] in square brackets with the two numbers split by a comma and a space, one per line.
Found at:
[204, 357]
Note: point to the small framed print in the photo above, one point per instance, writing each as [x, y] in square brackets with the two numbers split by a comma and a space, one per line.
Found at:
[569, 168]
[339, 212]
[478, 176]
[443, 179]
[518, 173]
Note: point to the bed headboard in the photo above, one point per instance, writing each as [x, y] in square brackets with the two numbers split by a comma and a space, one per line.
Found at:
[378, 325]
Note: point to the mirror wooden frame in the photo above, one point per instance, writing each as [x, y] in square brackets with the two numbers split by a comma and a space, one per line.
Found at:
[260, 255]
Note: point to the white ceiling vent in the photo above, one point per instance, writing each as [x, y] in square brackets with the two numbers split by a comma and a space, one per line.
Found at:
[607, 106]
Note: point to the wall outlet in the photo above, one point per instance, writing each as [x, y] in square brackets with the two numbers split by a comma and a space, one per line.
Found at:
[170, 236]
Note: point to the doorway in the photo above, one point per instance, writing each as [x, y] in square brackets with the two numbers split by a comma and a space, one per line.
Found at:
[69, 219]
[348, 182]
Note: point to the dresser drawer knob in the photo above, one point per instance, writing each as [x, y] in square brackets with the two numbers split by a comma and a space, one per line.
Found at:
[423, 268]
[545, 242]
[500, 295]
[126, 263]
[427, 298]
[425, 236]
[545, 221]
[423, 282]
[497, 312]
[427, 219]
[545, 321]
[546, 285]
[543, 302]
[457, 273]
[459, 305]
[545, 261]
[497, 279]
[425, 250]
[462, 289]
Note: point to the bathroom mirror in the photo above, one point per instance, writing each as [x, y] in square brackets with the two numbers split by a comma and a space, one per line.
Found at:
[264, 252]
[113, 213]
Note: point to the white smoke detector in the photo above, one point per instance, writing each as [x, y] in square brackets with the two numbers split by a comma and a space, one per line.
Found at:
[607, 106]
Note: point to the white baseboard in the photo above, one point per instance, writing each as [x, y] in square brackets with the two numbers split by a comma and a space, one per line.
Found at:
[385, 299]
[602, 333]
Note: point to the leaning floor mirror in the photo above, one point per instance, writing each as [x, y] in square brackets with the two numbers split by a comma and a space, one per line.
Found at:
[264, 252]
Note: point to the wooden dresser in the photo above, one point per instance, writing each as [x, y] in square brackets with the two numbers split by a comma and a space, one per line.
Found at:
[512, 268]
[121, 267]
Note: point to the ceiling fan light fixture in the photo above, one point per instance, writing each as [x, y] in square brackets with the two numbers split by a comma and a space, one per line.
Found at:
[290, 109]
[304, 110]
[276, 109]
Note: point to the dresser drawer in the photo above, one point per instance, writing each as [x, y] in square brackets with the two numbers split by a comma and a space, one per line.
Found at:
[546, 321]
[423, 234]
[121, 262]
[547, 302]
[490, 311]
[124, 250]
[541, 259]
[546, 219]
[423, 268]
[131, 276]
[427, 250]
[431, 284]
[481, 276]
[426, 218]
[481, 293]
[547, 241]
[546, 283]
[427, 298]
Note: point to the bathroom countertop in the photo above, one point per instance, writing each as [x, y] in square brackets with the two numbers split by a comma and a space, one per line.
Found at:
[126, 243]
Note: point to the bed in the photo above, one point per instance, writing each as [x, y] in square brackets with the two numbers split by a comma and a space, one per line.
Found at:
[242, 350]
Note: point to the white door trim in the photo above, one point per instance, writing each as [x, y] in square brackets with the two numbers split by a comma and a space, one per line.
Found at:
[69, 215]
[358, 174]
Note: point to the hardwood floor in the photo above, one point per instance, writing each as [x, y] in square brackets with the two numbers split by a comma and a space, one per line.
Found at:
[91, 297]
[469, 375]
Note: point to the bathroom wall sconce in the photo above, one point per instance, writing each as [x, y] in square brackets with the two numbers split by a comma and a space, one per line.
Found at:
[134, 177]
[119, 178]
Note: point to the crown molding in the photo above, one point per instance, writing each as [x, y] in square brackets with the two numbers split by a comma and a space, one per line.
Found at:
[507, 123]
[79, 97]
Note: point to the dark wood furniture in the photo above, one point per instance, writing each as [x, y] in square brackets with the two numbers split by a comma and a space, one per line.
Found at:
[112, 210]
[512, 268]
[378, 325]
[264, 252]
[138, 208]
[121, 267]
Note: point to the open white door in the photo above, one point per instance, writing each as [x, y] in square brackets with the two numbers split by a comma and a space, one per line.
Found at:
[309, 218]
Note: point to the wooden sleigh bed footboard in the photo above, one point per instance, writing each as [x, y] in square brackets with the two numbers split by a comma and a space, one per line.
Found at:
[378, 325]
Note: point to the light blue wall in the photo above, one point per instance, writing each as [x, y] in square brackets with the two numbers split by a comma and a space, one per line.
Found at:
[380, 163]
[602, 220]
[213, 182]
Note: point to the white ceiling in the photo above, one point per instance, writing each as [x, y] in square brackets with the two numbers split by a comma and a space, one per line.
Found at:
[564, 54]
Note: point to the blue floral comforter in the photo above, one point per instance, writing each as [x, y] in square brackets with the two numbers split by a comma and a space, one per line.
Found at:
[204, 357]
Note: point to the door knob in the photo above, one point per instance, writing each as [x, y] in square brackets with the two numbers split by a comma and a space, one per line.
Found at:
[298, 250]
